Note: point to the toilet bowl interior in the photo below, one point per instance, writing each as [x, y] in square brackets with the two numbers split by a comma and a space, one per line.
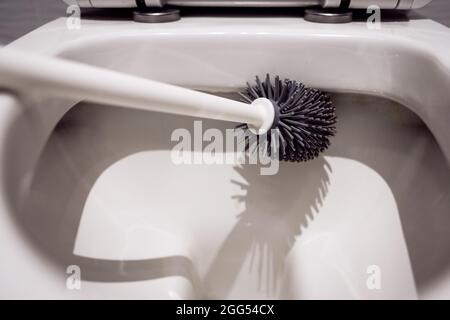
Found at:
[97, 188]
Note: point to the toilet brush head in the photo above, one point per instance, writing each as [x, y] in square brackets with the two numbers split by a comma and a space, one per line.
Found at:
[305, 118]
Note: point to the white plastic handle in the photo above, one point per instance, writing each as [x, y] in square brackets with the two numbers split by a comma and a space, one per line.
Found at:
[62, 78]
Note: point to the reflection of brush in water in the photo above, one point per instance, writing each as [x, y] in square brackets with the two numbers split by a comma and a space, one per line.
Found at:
[276, 209]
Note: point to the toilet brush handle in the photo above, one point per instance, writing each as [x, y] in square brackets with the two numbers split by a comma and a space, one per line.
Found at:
[52, 76]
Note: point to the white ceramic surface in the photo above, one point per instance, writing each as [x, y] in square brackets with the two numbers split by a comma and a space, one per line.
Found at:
[100, 190]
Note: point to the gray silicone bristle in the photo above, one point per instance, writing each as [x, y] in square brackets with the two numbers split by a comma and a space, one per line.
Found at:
[306, 117]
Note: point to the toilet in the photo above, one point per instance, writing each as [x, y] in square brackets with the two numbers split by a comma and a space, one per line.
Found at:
[92, 206]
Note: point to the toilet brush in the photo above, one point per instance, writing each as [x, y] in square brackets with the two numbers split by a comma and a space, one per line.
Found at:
[305, 117]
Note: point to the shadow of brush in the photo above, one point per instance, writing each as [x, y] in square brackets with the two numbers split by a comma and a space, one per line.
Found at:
[277, 208]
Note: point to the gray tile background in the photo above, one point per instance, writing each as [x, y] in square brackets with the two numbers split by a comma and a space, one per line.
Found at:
[17, 17]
